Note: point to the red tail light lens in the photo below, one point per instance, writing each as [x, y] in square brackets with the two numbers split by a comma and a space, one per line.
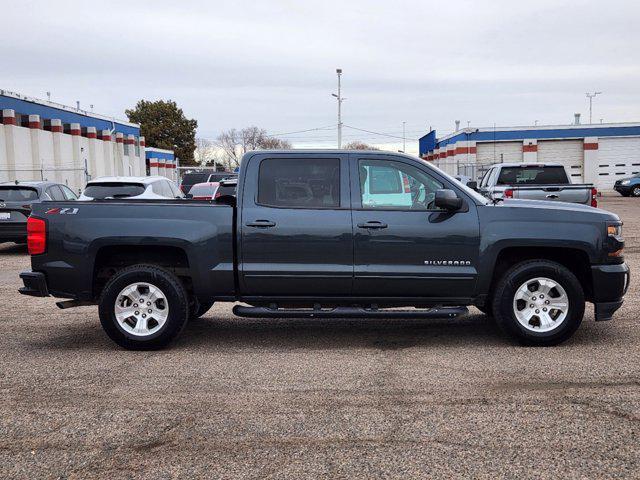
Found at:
[594, 197]
[36, 236]
[508, 193]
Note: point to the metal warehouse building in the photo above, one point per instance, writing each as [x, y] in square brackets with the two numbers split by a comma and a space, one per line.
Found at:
[42, 140]
[594, 153]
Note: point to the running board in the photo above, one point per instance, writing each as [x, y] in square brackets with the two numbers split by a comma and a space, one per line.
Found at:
[347, 312]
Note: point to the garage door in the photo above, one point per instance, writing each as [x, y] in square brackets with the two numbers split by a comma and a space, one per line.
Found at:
[617, 158]
[569, 153]
[499, 152]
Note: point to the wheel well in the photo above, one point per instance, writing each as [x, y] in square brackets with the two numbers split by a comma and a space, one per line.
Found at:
[575, 260]
[111, 259]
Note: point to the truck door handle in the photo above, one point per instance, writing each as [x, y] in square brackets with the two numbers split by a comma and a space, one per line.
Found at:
[552, 195]
[261, 224]
[372, 224]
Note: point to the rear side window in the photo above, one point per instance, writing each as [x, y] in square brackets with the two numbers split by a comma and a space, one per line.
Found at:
[299, 183]
[18, 194]
[203, 190]
[55, 193]
[532, 175]
[101, 191]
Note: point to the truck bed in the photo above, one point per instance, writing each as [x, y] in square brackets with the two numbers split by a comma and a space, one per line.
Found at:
[80, 234]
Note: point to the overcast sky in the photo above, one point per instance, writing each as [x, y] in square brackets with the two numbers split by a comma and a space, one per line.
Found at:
[272, 63]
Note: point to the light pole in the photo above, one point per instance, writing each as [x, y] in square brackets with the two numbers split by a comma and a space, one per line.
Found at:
[590, 96]
[340, 99]
[404, 138]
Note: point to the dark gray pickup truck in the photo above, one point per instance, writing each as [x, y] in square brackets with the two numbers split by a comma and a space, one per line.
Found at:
[347, 234]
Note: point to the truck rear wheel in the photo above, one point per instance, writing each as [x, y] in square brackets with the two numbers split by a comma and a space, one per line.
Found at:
[539, 302]
[143, 307]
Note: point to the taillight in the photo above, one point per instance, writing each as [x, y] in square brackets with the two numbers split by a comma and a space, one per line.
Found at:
[508, 193]
[594, 197]
[405, 182]
[36, 236]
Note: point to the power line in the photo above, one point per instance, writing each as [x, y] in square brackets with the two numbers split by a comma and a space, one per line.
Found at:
[328, 127]
[378, 133]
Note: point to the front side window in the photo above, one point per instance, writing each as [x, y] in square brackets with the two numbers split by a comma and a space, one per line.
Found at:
[68, 193]
[395, 185]
[299, 183]
[55, 193]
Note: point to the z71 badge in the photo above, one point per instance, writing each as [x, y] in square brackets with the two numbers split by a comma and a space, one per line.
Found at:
[62, 211]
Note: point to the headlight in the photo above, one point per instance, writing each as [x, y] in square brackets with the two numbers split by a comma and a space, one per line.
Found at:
[614, 230]
[625, 182]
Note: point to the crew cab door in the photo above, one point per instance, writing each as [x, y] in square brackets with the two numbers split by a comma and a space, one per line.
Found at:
[404, 246]
[296, 234]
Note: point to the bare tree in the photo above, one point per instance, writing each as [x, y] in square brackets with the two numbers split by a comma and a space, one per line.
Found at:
[205, 152]
[235, 143]
[358, 145]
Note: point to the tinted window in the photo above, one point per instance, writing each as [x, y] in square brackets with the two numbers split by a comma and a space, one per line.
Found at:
[190, 179]
[18, 194]
[113, 190]
[68, 193]
[226, 189]
[395, 185]
[299, 182]
[55, 193]
[216, 177]
[203, 190]
[532, 175]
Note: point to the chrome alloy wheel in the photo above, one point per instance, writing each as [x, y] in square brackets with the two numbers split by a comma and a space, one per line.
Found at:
[540, 304]
[141, 309]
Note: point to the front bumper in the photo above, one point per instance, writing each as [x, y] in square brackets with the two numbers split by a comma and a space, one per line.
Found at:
[35, 284]
[624, 189]
[610, 283]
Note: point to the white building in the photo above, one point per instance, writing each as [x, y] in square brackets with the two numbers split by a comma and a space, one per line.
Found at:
[42, 140]
[595, 153]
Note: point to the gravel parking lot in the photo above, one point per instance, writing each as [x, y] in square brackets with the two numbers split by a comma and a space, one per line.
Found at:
[316, 398]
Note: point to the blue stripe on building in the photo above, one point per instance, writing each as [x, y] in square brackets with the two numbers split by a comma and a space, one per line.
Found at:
[26, 107]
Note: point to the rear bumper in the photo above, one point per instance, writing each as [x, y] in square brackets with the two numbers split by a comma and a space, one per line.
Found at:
[610, 283]
[35, 284]
[11, 231]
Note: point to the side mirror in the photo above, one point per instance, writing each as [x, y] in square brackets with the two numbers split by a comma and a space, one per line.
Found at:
[473, 185]
[447, 200]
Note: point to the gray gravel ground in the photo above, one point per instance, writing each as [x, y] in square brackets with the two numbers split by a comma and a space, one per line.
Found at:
[237, 398]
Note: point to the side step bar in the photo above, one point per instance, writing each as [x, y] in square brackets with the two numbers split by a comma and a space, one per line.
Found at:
[347, 312]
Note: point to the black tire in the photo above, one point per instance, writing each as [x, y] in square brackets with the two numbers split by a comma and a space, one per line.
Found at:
[504, 294]
[200, 308]
[635, 191]
[172, 289]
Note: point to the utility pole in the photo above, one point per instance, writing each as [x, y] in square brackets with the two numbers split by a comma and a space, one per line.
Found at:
[404, 138]
[340, 99]
[591, 96]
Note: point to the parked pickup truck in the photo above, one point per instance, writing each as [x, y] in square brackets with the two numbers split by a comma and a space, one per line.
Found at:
[347, 234]
[535, 181]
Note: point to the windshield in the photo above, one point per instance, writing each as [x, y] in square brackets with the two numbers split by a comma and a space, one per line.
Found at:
[533, 175]
[18, 194]
[113, 190]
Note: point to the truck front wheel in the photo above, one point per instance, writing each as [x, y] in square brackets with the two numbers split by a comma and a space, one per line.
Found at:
[539, 302]
[143, 307]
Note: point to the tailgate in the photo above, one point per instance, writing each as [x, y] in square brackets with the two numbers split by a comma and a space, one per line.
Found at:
[559, 193]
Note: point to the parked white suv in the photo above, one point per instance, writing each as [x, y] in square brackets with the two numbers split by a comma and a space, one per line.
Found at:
[148, 188]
